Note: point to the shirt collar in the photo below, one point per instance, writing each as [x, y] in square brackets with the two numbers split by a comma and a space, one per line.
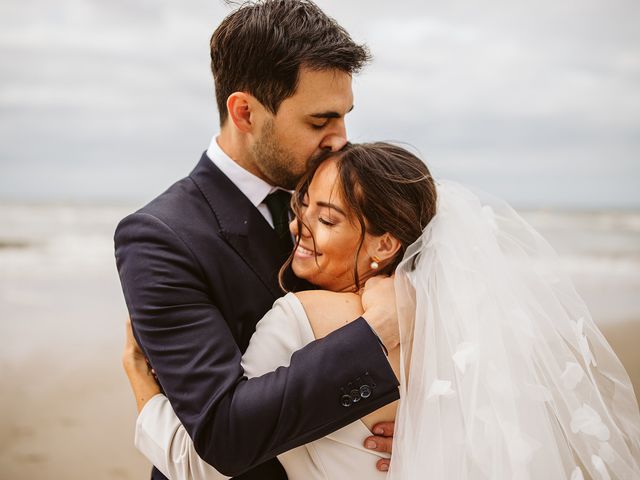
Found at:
[254, 188]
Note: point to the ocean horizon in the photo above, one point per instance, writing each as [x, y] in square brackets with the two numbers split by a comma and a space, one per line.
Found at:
[594, 246]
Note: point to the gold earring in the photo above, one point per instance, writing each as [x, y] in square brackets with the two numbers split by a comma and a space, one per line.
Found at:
[375, 263]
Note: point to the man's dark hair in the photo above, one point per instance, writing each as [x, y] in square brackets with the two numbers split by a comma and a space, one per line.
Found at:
[260, 47]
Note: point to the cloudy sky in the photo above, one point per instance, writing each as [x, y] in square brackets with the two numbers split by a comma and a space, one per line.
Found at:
[538, 102]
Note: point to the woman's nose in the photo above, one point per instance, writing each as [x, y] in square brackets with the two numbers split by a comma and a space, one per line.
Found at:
[293, 228]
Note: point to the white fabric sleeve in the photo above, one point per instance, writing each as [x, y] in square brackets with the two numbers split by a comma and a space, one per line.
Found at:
[162, 439]
[160, 436]
[283, 330]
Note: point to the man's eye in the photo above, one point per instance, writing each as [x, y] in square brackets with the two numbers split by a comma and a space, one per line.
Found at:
[318, 127]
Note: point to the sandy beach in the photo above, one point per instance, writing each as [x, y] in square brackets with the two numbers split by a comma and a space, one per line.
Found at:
[66, 407]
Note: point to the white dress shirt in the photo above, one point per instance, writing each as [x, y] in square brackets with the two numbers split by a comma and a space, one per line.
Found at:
[254, 188]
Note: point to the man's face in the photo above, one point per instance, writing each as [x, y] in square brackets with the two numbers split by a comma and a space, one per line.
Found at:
[308, 122]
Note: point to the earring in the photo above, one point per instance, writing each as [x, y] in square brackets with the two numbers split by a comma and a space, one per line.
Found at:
[375, 263]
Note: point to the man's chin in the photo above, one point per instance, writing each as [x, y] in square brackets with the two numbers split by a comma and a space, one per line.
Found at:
[286, 180]
[291, 184]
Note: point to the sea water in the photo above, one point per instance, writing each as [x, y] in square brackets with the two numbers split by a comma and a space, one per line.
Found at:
[58, 280]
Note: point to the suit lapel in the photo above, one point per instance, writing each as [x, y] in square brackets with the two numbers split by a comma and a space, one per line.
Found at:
[241, 224]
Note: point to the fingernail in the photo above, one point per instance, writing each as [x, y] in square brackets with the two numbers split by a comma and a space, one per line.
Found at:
[378, 431]
[370, 444]
[384, 467]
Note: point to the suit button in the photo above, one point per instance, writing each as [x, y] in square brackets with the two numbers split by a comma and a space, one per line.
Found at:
[365, 391]
[345, 401]
[355, 395]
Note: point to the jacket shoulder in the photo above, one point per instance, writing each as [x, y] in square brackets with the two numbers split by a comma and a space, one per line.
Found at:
[181, 207]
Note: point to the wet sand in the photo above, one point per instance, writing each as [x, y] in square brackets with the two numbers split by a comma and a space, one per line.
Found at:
[79, 423]
[624, 338]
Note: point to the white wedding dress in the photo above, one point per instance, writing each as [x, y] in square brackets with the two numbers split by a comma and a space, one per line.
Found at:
[284, 329]
[503, 376]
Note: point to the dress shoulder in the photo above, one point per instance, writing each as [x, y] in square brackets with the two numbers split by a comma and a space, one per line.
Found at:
[281, 331]
[329, 311]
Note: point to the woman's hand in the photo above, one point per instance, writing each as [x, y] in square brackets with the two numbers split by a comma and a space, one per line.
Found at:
[379, 304]
[381, 442]
[132, 351]
[138, 370]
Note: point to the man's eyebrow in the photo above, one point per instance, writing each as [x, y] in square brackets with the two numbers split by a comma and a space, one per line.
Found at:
[332, 206]
[330, 114]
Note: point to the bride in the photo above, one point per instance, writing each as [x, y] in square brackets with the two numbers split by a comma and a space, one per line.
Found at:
[503, 373]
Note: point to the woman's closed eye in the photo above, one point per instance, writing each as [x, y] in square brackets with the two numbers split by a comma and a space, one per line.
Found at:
[326, 222]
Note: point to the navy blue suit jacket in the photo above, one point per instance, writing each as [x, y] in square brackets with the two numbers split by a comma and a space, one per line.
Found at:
[198, 267]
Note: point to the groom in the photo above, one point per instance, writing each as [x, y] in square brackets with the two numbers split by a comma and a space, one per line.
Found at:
[199, 264]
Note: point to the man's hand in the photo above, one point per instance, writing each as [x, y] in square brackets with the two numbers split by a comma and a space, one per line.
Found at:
[381, 442]
[379, 304]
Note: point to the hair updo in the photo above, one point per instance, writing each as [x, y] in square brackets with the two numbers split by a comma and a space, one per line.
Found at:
[386, 189]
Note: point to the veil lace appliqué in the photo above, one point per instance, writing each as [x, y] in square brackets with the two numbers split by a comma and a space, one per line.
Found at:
[504, 373]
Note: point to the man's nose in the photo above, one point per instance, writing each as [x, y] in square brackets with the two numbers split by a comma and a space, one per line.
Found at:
[336, 139]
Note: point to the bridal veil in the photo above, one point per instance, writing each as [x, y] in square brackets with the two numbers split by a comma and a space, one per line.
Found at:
[504, 373]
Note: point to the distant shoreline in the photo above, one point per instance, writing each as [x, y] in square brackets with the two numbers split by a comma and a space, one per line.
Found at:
[139, 202]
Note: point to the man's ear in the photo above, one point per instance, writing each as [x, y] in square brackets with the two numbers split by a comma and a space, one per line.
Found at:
[384, 247]
[241, 107]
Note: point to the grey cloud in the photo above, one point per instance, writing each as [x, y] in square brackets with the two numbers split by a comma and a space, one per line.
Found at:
[537, 101]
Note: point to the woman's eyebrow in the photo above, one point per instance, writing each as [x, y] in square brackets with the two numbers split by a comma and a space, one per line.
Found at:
[332, 206]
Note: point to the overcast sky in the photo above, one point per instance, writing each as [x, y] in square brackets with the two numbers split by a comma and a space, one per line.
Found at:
[538, 102]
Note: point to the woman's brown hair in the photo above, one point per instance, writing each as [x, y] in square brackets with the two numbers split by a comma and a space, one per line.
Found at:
[386, 189]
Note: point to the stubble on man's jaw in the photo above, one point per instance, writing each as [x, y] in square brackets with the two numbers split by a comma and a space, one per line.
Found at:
[274, 163]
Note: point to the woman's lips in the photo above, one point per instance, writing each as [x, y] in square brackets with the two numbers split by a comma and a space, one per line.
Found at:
[302, 252]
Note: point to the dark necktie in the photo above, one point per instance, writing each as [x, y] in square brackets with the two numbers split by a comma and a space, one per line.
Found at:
[278, 204]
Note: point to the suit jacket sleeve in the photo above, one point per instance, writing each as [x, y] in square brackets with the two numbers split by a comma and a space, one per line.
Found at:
[164, 441]
[236, 423]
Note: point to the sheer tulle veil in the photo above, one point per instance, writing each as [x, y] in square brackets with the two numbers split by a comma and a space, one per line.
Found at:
[504, 373]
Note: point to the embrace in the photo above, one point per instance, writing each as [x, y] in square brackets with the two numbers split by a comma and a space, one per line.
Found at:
[307, 308]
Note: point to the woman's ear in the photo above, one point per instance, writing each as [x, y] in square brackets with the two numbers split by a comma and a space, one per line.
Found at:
[384, 247]
[240, 106]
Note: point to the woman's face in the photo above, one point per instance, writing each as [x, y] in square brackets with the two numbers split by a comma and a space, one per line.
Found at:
[329, 262]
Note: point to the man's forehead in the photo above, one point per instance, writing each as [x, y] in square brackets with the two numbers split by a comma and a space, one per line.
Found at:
[323, 91]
